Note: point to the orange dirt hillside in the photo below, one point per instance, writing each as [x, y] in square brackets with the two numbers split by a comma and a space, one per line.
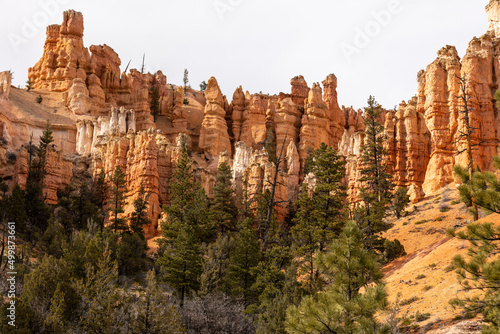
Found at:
[421, 283]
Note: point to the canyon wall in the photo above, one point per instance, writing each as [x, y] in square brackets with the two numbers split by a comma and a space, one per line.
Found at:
[103, 120]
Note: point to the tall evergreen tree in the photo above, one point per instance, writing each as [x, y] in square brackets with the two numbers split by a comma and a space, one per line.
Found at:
[276, 286]
[181, 263]
[117, 199]
[244, 257]
[270, 145]
[215, 265]
[75, 207]
[400, 201]
[223, 210]
[320, 217]
[155, 102]
[100, 196]
[139, 217]
[353, 296]
[184, 231]
[188, 203]
[185, 80]
[37, 211]
[105, 308]
[16, 209]
[376, 192]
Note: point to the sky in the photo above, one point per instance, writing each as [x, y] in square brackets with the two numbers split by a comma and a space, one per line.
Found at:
[374, 47]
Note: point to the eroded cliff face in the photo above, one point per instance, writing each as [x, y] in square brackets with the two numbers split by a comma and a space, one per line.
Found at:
[103, 120]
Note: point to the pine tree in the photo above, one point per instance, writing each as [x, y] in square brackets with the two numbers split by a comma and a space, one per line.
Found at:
[203, 86]
[376, 191]
[75, 208]
[139, 217]
[37, 212]
[181, 263]
[40, 288]
[105, 308]
[276, 286]
[55, 321]
[244, 257]
[185, 80]
[400, 201]
[482, 191]
[270, 145]
[215, 265]
[184, 231]
[353, 296]
[16, 209]
[188, 203]
[223, 209]
[319, 217]
[480, 271]
[117, 199]
[155, 103]
[273, 317]
[100, 196]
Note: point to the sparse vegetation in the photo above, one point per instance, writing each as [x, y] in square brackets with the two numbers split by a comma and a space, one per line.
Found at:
[203, 86]
[400, 201]
[185, 80]
[409, 301]
[419, 317]
[39, 99]
[29, 85]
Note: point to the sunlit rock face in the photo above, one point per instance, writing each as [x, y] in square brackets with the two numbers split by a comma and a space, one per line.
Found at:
[107, 122]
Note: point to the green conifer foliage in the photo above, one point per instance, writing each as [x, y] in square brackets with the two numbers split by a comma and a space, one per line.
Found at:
[480, 271]
[181, 263]
[117, 199]
[376, 191]
[244, 257]
[321, 215]
[223, 209]
[139, 217]
[154, 313]
[343, 307]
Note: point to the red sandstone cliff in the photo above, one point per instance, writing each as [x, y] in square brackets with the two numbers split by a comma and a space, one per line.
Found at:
[103, 120]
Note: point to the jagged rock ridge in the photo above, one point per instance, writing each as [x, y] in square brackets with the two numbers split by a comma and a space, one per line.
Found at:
[109, 121]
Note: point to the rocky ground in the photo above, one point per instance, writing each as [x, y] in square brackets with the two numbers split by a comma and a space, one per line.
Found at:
[421, 283]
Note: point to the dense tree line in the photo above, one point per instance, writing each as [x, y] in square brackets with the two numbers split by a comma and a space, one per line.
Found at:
[223, 265]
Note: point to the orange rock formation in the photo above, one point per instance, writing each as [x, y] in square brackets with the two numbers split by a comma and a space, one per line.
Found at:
[105, 121]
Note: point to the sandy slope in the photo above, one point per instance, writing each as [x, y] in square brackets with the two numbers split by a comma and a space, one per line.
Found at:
[423, 281]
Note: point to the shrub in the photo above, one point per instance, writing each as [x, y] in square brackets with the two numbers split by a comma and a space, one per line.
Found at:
[11, 156]
[393, 250]
[185, 101]
[409, 301]
[215, 314]
[421, 316]
[400, 201]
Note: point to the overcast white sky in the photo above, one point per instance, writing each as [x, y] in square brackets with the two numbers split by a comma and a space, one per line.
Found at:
[259, 44]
